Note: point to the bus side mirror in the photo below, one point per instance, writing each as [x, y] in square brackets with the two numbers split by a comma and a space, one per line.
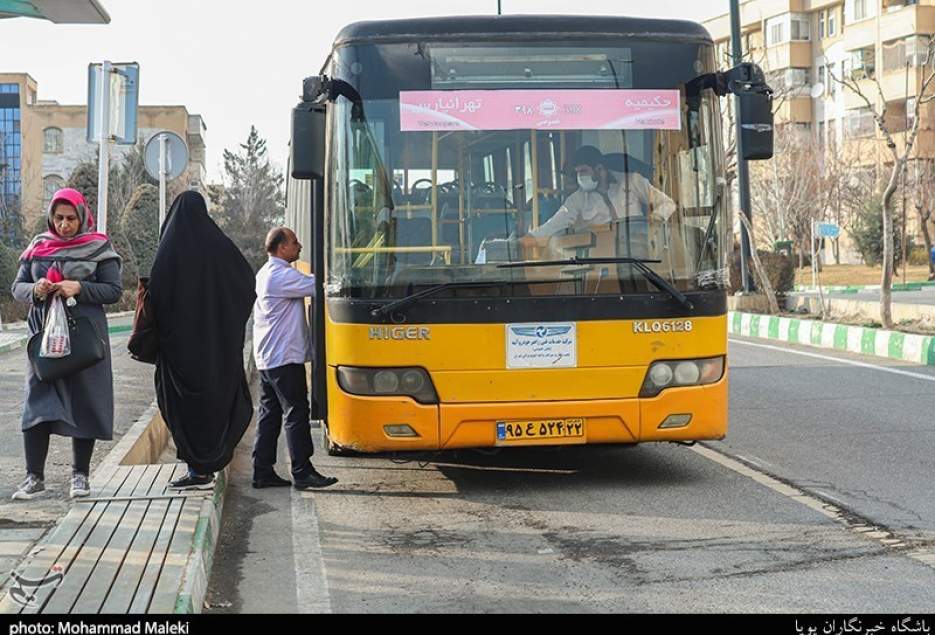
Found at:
[308, 141]
[756, 124]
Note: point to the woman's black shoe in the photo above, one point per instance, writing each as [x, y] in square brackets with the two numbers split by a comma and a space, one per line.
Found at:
[193, 480]
[314, 480]
[270, 480]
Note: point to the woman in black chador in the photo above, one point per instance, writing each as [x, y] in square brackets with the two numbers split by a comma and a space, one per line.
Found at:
[201, 292]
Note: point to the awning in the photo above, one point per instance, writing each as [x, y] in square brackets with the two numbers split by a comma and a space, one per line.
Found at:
[58, 11]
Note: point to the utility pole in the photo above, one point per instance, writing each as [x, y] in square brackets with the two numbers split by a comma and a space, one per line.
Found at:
[905, 179]
[743, 172]
[499, 8]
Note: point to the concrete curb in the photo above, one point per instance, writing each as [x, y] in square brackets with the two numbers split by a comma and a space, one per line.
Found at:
[910, 286]
[917, 349]
[194, 587]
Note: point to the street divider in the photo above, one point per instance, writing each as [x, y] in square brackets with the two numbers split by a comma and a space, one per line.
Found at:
[906, 347]
[909, 286]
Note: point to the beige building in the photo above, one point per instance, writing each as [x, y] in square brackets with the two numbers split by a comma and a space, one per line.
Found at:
[807, 46]
[41, 142]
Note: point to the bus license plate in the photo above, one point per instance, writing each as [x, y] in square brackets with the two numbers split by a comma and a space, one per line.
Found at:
[508, 431]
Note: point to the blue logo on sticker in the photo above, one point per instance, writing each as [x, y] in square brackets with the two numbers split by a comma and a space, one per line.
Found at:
[501, 431]
[541, 332]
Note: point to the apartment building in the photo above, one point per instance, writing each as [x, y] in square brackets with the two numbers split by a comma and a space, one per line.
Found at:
[808, 46]
[42, 141]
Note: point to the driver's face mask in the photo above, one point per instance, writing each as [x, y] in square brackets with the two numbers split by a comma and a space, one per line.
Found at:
[587, 182]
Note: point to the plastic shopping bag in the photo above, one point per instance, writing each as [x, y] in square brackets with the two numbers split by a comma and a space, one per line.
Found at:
[56, 342]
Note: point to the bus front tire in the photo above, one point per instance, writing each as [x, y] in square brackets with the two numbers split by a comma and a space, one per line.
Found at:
[332, 448]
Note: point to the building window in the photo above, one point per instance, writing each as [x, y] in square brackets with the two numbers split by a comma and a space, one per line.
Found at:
[800, 28]
[863, 63]
[832, 20]
[775, 34]
[859, 123]
[860, 10]
[54, 141]
[857, 10]
[10, 143]
[50, 185]
[821, 24]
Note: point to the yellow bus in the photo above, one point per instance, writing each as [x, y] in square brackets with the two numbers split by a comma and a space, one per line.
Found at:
[519, 227]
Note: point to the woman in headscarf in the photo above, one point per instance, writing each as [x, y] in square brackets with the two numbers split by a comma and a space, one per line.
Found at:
[70, 260]
[201, 293]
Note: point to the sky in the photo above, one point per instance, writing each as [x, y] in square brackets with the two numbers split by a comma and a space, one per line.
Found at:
[238, 63]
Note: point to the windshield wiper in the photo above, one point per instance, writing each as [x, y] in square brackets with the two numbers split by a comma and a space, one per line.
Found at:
[480, 284]
[638, 263]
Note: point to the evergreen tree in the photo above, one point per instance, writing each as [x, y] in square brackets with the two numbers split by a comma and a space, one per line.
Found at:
[84, 179]
[252, 200]
[139, 222]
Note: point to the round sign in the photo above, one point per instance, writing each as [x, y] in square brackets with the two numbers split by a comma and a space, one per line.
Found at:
[176, 155]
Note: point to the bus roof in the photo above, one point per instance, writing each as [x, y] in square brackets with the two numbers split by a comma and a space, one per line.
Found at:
[519, 27]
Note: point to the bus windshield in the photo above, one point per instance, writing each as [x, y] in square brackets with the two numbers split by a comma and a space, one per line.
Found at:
[464, 160]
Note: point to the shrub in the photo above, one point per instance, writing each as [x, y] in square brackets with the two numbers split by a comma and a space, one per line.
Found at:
[9, 264]
[139, 222]
[867, 232]
[780, 269]
[919, 256]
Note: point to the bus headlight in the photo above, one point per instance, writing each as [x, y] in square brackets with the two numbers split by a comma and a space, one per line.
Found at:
[385, 382]
[690, 372]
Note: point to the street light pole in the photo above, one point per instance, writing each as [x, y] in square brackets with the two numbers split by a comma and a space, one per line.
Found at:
[499, 8]
[743, 173]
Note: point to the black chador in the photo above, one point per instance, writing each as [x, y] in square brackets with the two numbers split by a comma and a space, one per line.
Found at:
[202, 292]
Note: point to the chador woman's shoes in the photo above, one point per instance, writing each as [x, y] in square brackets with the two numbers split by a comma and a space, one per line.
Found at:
[191, 481]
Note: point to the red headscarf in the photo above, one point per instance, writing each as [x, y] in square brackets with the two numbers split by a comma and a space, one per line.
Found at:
[78, 256]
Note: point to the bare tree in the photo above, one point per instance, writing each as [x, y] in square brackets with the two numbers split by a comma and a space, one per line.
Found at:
[900, 157]
[923, 195]
[785, 199]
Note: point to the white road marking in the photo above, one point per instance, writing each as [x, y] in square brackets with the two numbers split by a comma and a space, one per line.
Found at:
[311, 589]
[885, 369]
[888, 540]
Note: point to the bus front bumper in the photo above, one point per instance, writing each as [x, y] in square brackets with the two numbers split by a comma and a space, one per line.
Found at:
[380, 424]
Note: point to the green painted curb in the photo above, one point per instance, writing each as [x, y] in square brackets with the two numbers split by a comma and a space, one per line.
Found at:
[906, 347]
[194, 585]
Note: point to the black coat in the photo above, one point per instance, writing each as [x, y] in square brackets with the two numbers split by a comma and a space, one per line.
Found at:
[202, 293]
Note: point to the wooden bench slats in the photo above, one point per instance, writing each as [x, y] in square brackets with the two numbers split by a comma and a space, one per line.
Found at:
[111, 561]
[119, 556]
[132, 577]
[59, 548]
[85, 560]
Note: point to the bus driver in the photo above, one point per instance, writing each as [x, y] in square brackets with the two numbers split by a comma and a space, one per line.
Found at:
[602, 197]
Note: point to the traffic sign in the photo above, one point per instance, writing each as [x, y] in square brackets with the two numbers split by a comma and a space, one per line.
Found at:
[828, 230]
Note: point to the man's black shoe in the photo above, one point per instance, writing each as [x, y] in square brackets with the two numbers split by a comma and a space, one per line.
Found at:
[270, 480]
[190, 481]
[313, 479]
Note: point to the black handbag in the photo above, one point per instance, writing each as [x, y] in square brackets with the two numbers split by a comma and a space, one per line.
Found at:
[144, 340]
[87, 349]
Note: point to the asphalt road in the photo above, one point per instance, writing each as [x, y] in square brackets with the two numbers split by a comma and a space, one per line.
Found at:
[818, 501]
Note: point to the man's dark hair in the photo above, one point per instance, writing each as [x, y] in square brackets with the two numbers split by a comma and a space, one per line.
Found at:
[275, 239]
[587, 155]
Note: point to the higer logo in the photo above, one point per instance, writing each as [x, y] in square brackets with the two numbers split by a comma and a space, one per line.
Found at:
[400, 333]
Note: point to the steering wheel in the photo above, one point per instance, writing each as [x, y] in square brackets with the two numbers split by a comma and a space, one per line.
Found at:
[489, 187]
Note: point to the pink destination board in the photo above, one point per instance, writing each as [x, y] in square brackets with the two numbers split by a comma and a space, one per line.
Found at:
[437, 110]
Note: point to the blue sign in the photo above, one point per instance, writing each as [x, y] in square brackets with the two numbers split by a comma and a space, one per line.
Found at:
[124, 99]
[828, 230]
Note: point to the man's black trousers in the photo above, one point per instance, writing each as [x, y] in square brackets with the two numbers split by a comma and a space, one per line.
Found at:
[283, 392]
